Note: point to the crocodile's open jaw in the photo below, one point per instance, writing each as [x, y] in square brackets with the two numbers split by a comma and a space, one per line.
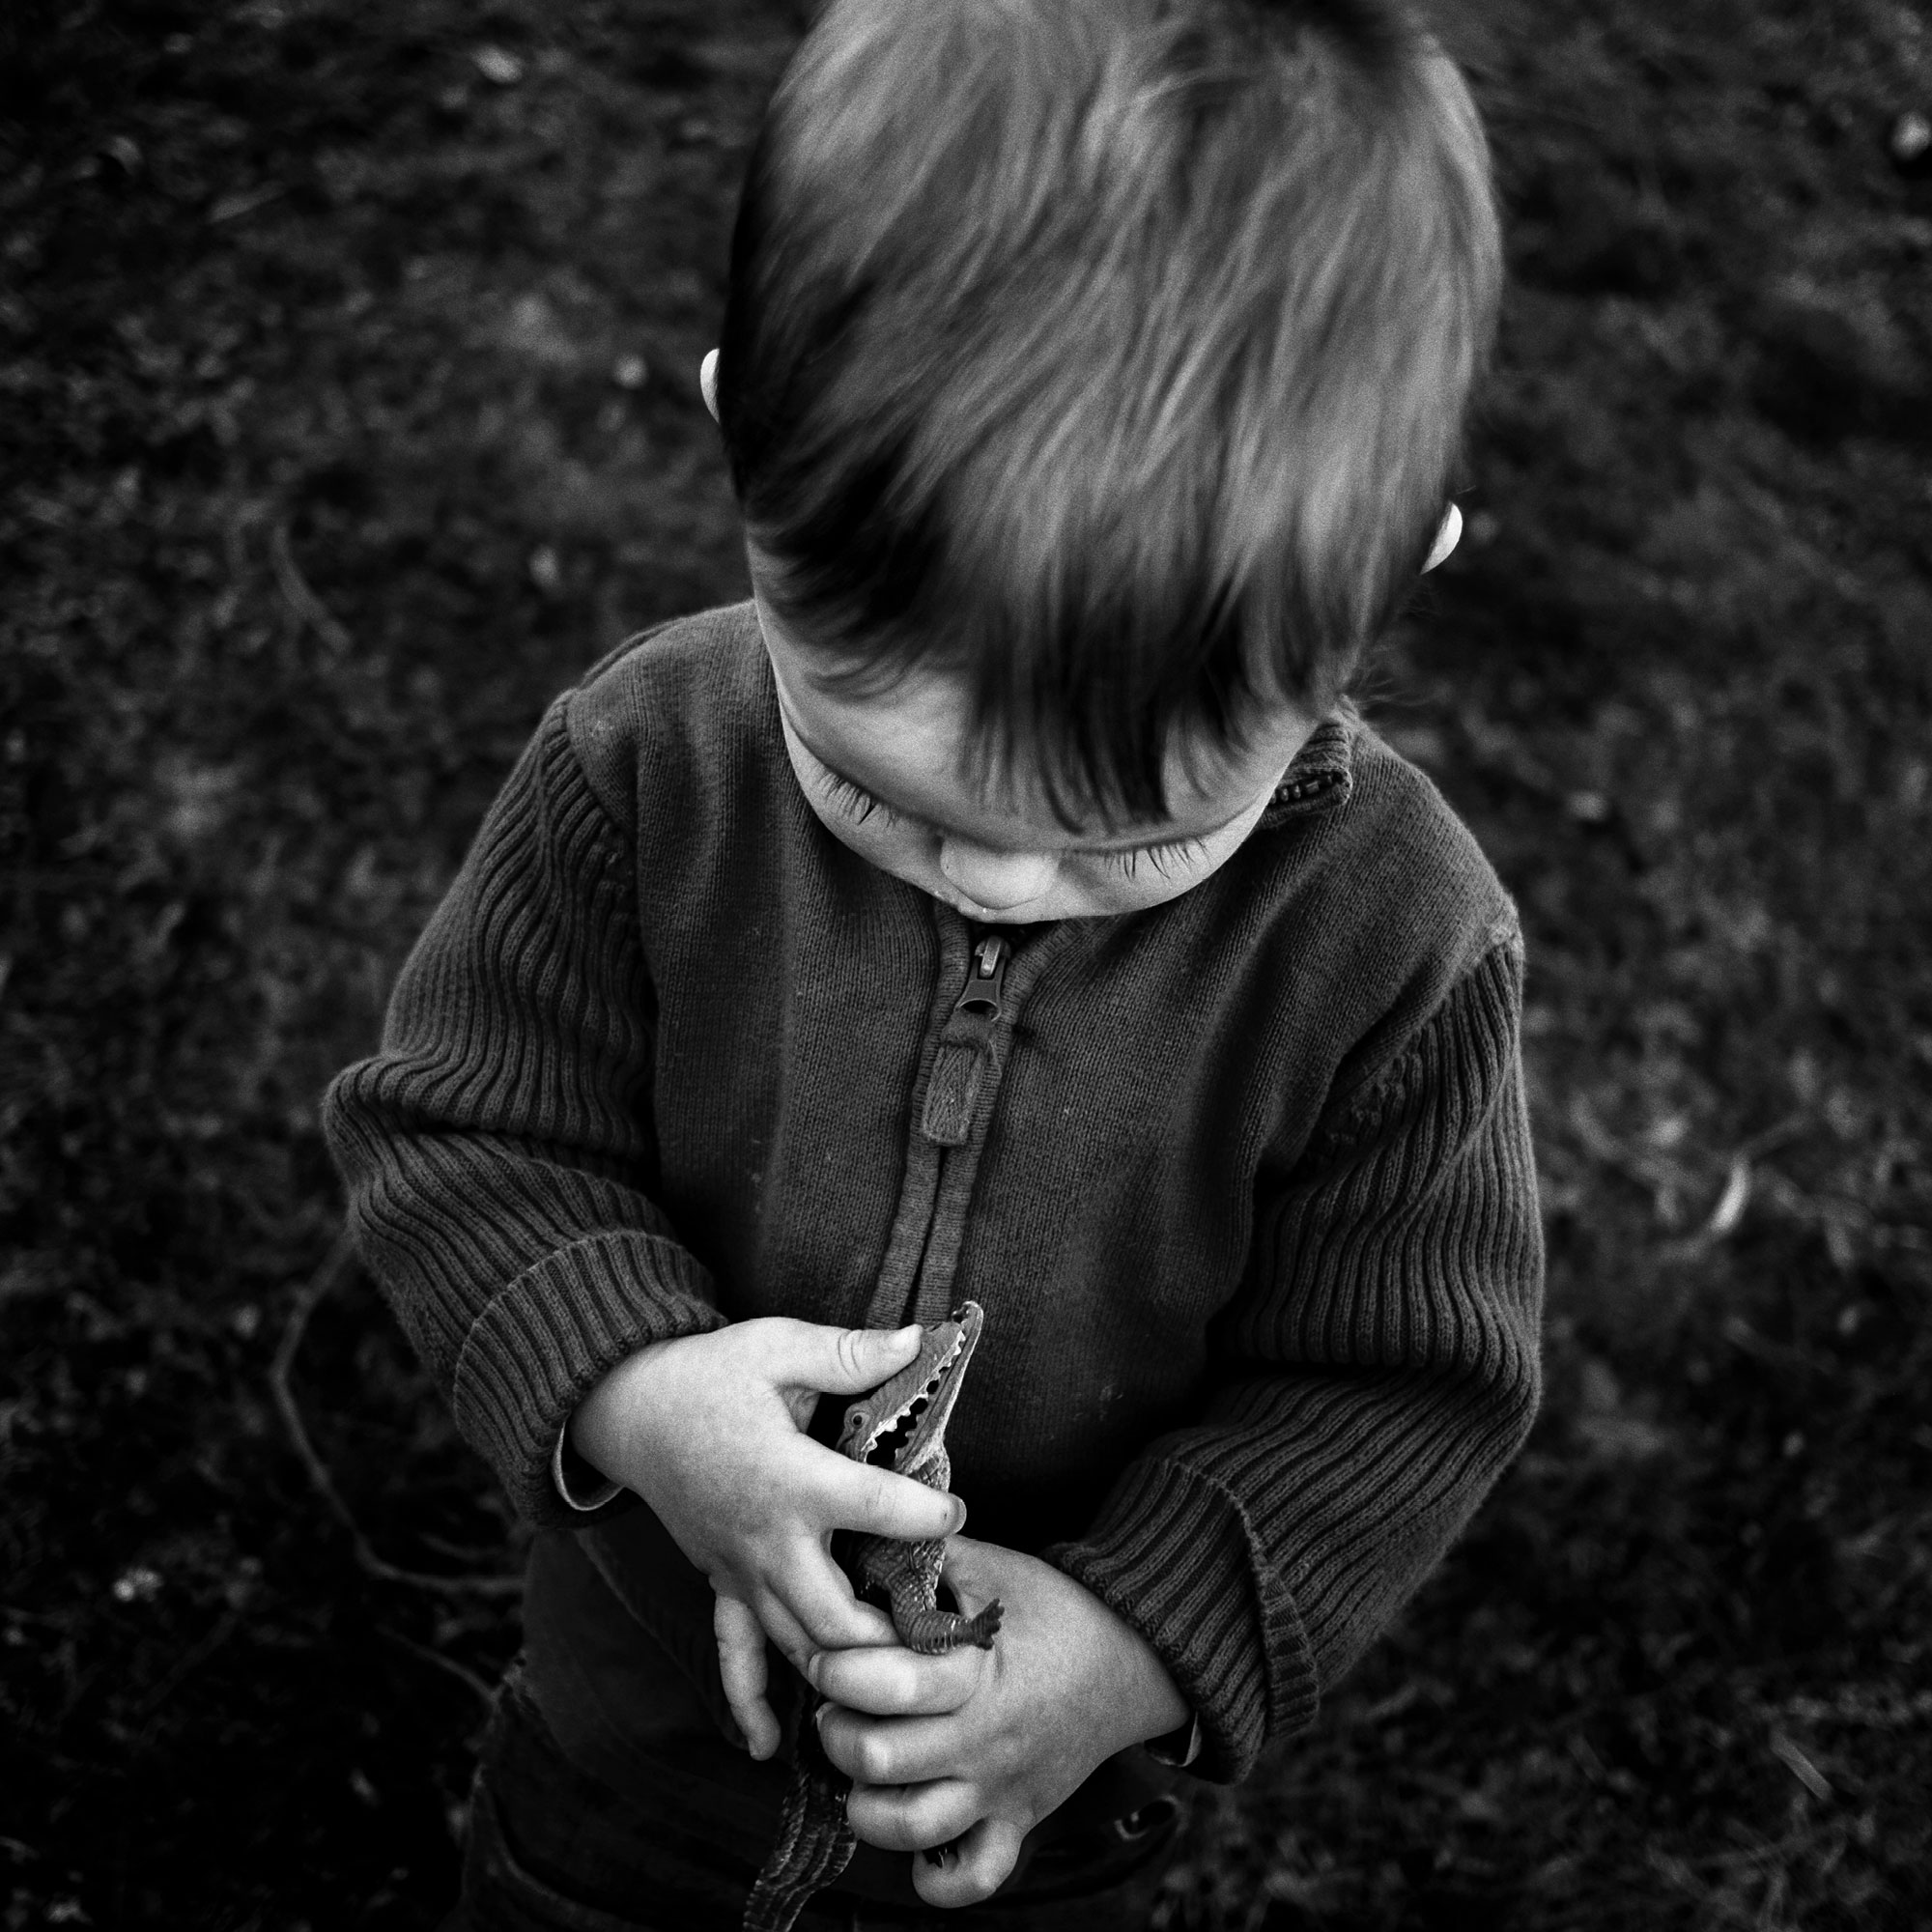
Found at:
[917, 1401]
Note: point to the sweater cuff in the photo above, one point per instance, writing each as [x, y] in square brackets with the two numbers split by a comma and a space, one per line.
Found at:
[1172, 1552]
[1181, 1746]
[551, 1335]
[589, 1491]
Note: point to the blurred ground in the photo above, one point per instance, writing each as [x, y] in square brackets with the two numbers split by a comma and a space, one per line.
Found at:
[347, 409]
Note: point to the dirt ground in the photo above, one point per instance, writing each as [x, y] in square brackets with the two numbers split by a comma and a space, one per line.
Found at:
[347, 409]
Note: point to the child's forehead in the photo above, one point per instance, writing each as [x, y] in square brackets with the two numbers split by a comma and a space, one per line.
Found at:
[1011, 776]
[912, 741]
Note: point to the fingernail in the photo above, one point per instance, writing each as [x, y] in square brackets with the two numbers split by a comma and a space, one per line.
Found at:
[958, 1518]
[811, 1664]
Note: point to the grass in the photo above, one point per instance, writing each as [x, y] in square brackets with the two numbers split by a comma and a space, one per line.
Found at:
[347, 365]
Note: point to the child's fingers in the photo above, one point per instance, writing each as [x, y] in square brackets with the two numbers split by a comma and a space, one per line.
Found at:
[911, 1751]
[807, 1605]
[895, 1682]
[840, 1361]
[908, 1818]
[971, 1867]
[785, 1629]
[844, 1494]
[741, 1663]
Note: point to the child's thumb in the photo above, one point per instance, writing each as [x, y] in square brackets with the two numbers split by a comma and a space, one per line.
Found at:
[857, 1359]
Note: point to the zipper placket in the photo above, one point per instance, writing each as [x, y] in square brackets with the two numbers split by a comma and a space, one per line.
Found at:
[965, 1067]
[953, 1082]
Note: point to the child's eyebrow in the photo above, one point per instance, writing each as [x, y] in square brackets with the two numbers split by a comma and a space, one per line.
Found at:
[1125, 842]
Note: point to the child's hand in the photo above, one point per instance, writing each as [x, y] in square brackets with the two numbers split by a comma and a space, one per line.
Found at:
[709, 1431]
[982, 1745]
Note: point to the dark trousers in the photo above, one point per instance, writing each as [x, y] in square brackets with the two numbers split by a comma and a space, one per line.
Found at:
[550, 1847]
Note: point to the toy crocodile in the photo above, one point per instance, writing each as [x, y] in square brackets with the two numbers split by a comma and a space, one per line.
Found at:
[901, 1423]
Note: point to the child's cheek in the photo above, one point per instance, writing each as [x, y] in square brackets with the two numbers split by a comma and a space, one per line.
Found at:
[896, 848]
[903, 849]
[1106, 889]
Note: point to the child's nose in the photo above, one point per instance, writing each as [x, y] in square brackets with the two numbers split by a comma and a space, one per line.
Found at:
[995, 880]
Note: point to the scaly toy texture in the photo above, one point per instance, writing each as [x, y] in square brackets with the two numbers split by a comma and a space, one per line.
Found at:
[903, 1421]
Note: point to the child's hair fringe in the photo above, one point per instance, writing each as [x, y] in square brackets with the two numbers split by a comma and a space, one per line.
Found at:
[1112, 355]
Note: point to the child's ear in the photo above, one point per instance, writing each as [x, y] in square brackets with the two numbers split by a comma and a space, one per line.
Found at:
[707, 382]
[1448, 532]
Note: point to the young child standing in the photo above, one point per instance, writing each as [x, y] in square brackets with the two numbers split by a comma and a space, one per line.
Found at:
[1089, 376]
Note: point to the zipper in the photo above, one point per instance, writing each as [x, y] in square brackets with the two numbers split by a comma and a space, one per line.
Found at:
[940, 1155]
[954, 1084]
[965, 1042]
[985, 989]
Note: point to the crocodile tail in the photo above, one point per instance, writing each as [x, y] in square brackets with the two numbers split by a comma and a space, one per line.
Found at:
[814, 1842]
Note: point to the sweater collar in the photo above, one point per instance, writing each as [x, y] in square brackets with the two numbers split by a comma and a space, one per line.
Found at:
[1323, 774]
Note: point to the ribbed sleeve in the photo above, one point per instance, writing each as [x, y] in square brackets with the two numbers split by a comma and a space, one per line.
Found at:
[1376, 1377]
[497, 1151]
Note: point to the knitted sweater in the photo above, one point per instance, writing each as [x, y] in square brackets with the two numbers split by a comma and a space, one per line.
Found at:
[1244, 1183]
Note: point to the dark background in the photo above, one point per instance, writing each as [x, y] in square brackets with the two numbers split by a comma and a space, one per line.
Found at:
[348, 403]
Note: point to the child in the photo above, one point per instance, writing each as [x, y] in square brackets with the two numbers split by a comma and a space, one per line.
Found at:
[1089, 376]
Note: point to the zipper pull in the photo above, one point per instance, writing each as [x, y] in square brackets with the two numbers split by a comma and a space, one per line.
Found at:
[965, 1045]
[986, 985]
